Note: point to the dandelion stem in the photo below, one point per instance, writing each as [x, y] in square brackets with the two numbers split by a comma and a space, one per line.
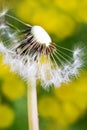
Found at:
[32, 105]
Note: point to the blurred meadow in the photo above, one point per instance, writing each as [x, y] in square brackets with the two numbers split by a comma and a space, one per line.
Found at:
[63, 108]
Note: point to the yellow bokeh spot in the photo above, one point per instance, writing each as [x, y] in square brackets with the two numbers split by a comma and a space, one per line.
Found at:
[48, 107]
[80, 13]
[54, 126]
[46, 18]
[51, 108]
[65, 92]
[6, 116]
[75, 92]
[74, 98]
[76, 8]
[67, 5]
[65, 26]
[71, 111]
[26, 9]
[13, 88]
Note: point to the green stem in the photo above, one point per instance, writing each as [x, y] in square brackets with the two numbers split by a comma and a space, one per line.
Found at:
[32, 105]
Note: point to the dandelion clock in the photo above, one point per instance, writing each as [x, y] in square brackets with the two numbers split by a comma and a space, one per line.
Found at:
[33, 55]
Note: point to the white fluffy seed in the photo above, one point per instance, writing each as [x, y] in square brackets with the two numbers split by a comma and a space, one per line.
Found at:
[41, 35]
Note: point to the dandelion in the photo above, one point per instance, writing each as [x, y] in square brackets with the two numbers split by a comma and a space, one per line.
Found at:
[33, 55]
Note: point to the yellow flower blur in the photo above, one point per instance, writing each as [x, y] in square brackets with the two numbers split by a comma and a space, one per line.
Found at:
[68, 103]
[13, 87]
[49, 17]
[58, 17]
[6, 116]
[48, 104]
[67, 5]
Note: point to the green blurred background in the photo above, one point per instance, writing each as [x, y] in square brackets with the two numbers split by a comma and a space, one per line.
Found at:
[64, 108]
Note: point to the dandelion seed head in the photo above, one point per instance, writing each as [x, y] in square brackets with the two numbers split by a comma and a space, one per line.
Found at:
[33, 55]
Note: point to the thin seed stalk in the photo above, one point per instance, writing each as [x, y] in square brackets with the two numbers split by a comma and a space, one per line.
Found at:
[32, 105]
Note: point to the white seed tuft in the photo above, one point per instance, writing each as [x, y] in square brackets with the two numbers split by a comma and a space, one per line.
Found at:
[41, 35]
[3, 12]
